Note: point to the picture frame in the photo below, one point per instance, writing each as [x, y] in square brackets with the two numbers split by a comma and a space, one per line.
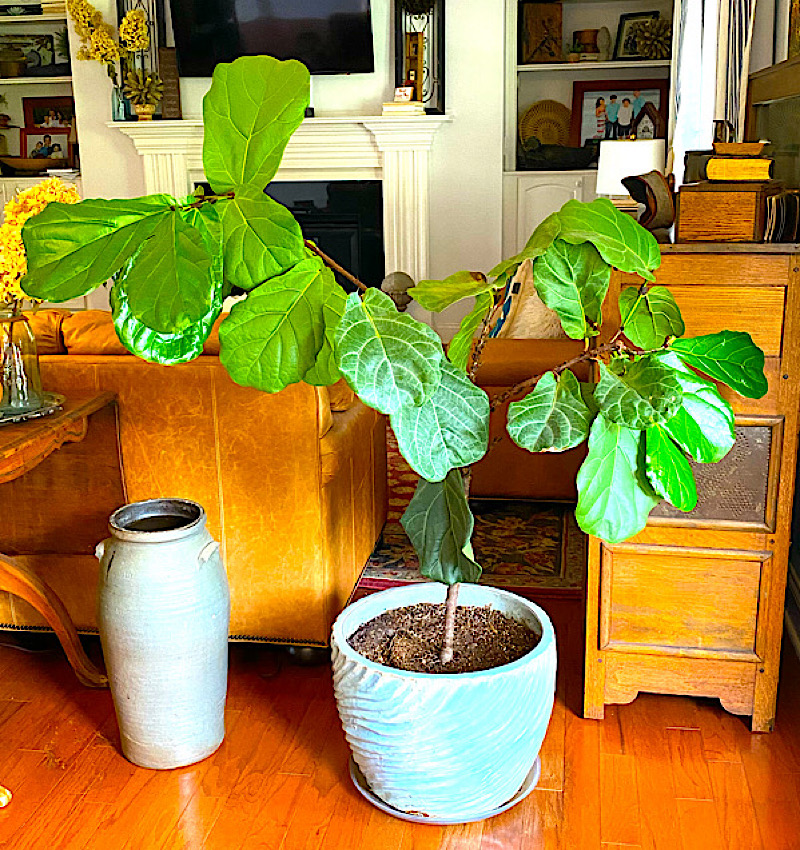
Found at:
[39, 48]
[588, 124]
[540, 33]
[48, 112]
[32, 141]
[625, 44]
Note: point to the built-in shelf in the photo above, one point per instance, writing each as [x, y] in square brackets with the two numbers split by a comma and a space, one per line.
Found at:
[27, 81]
[593, 66]
[29, 19]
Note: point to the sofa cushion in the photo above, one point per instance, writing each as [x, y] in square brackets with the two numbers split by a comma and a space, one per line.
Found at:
[46, 327]
[342, 397]
[91, 332]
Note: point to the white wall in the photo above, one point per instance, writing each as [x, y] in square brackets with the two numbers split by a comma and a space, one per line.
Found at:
[466, 160]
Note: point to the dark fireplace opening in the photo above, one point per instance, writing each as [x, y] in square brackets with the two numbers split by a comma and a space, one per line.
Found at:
[343, 217]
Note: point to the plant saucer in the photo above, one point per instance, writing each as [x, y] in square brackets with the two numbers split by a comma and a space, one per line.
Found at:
[527, 786]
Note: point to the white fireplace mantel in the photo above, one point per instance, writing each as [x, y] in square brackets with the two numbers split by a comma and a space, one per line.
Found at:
[387, 148]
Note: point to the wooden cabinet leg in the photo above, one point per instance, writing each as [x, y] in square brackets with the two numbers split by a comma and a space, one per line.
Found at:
[22, 582]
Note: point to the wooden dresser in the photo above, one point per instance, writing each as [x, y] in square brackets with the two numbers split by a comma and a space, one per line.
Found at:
[694, 603]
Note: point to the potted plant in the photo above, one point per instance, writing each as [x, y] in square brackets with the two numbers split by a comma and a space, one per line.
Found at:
[439, 744]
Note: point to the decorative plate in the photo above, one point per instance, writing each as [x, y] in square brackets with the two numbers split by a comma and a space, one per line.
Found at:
[527, 786]
[52, 403]
[548, 120]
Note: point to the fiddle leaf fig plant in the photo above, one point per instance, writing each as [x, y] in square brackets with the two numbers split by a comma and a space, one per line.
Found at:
[172, 261]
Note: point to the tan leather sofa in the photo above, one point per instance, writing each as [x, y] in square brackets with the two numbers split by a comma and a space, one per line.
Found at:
[508, 471]
[293, 484]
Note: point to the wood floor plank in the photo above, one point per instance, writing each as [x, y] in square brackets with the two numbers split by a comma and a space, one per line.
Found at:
[552, 751]
[689, 769]
[280, 779]
[735, 811]
[620, 822]
[699, 826]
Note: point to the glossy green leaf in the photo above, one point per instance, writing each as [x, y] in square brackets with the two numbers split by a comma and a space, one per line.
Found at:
[461, 344]
[703, 425]
[439, 523]
[156, 347]
[540, 240]
[728, 356]
[553, 417]
[573, 281]
[668, 471]
[273, 337]
[621, 241]
[389, 358]
[325, 372]
[637, 394]
[250, 112]
[73, 248]
[436, 295]
[450, 430]
[171, 282]
[614, 496]
[648, 320]
[262, 239]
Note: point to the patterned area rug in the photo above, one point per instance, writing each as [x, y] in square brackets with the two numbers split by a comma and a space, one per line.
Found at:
[525, 547]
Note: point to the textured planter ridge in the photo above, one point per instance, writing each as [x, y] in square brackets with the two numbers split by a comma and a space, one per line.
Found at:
[452, 746]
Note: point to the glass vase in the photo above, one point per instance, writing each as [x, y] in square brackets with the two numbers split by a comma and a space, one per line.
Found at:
[20, 381]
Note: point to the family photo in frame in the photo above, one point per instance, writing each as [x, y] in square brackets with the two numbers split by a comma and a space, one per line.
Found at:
[612, 109]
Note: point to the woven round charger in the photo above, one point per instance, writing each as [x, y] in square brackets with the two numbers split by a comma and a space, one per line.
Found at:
[548, 120]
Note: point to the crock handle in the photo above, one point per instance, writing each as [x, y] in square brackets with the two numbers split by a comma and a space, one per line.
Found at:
[207, 551]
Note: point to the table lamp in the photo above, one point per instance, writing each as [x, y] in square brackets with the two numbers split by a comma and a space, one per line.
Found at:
[623, 158]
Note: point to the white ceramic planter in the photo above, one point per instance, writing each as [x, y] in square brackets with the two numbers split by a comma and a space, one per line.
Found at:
[451, 747]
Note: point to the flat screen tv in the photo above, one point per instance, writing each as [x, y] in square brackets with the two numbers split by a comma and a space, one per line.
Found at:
[328, 36]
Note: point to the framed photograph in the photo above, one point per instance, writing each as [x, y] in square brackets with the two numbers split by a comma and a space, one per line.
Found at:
[39, 50]
[46, 144]
[540, 26]
[49, 112]
[608, 109]
[626, 47]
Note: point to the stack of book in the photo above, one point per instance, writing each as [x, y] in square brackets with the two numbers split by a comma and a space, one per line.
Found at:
[404, 107]
[54, 8]
[739, 161]
[783, 217]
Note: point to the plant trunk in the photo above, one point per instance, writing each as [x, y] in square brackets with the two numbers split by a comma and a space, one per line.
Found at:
[446, 655]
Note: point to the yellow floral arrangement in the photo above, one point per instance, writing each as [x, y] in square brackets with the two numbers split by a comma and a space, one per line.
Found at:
[98, 44]
[27, 203]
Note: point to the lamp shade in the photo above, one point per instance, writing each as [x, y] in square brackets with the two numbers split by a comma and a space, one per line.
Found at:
[627, 158]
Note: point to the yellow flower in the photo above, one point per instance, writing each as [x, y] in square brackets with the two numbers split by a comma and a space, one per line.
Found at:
[133, 30]
[83, 15]
[102, 46]
[25, 205]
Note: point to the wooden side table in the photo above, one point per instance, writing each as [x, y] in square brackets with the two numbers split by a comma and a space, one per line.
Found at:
[23, 447]
[693, 604]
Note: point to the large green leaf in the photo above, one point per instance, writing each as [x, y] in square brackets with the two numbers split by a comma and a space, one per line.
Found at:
[250, 112]
[621, 241]
[450, 430]
[668, 471]
[540, 240]
[171, 282]
[73, 248]
[436, 295]
[461, 344]
[262, 239]
[573, 281]
[637, 394]
[439, 523]
[325, 372]
[553, 417]
[148, 344]
[614, 496]
[273, 337]
[650, 318]
[703, 425]
[728, 356]
[389, 358]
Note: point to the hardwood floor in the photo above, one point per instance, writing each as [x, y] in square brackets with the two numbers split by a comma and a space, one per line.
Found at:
[663, 772]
